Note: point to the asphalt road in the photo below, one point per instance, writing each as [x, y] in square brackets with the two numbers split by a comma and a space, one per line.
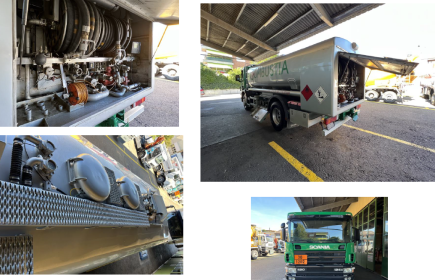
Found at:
[273, 267]
[161, 106]
[235, 147]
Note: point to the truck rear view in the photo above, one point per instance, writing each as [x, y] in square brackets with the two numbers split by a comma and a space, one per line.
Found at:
[322, 84]
[319, 245]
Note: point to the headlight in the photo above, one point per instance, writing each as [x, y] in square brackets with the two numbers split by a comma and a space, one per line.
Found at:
[347, 270]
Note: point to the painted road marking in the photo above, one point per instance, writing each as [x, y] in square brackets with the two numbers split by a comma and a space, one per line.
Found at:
[167, 80]
[391, 138]
[410, 106]
[148, 172]
[310, 175]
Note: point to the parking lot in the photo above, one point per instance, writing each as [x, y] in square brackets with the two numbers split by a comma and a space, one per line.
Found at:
[389, 142]
[272, 267]
[161, 107]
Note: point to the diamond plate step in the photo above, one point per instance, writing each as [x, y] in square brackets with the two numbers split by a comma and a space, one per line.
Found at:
[16, 255]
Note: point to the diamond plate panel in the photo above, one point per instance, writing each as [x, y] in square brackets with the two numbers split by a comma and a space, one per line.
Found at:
[16, 255]
[115, 194]
[21, 205]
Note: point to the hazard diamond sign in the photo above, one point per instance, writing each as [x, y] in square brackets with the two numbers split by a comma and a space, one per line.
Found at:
[306, 92]
[320, 94]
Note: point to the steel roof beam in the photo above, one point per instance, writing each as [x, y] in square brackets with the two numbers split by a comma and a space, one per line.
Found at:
[226, 50]
[235, 30]
[300, 204]
[238, 16]
[268, 22]
[290, 25]
[322, 13]
[208, 22]
[331, 205]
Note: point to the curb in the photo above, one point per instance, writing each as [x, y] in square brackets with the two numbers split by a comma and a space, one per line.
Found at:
[211, 92]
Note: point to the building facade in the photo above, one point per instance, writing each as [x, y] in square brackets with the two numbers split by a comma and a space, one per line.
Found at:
[221, 61]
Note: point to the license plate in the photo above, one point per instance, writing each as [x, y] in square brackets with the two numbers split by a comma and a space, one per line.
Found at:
[300, 259]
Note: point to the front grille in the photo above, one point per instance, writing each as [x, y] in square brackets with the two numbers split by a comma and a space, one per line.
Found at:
[324, 257]
[313, 271]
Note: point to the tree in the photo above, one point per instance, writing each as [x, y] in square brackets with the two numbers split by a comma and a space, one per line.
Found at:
[300, 233]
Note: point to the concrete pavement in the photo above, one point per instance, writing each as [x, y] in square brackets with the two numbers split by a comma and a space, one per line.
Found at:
[387, 143]
[273, 267]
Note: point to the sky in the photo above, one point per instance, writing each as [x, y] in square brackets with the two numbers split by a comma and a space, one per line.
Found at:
[391, 30]
[271, 212]
[169, 44]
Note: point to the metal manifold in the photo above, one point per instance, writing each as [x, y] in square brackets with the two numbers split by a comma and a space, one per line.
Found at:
[16, 255]
[26, 206]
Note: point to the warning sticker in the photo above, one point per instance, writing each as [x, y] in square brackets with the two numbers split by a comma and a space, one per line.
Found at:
[306, 92]
[320, 94]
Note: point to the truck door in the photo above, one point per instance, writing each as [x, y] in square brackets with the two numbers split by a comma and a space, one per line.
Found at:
[371, 233]
[391, 65]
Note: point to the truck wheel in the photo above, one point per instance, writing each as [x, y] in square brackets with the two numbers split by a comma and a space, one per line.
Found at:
[390, 97]
[160, 180]
[171, 72]
[254, 254]
[157, 70]
[245, 103]
[277, 116]
[372, 95]
[432, 99]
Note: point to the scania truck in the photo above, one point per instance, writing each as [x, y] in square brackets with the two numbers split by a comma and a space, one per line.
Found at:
[319, 245]
[323, 83]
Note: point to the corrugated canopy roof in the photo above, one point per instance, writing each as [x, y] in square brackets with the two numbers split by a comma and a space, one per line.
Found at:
[257, 31]
[325, 204]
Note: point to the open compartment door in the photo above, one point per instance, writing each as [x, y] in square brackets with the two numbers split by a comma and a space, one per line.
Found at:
[391, 65]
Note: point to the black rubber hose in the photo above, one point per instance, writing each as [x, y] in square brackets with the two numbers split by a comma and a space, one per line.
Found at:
[97, 30]
[124, 33]
[106, 33]
[69, 27]
[76, 37]
[92, 20]
[16, 160]
[84, 20]
[103, 30]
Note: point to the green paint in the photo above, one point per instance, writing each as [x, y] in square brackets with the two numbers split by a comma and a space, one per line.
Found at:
[284, 66]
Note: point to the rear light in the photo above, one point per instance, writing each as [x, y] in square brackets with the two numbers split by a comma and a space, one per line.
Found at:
[359, 106]
[137, 103]
[330, 120]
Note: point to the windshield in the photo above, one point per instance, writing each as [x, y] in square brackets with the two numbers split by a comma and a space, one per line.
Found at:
[159, 159]
[320, 230]
[269, 239]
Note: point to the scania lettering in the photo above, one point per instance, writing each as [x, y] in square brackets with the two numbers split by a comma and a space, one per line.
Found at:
[322, 84]
[319, 245]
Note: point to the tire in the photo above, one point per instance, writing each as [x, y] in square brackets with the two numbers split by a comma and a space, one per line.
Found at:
[245, 103]
[141, 154]
[254, 254]
[372, 95]
[393, 98]
[171, 72]
[157, 70]
[277, 116]
[432, 99]
[264, 254]
[160, 180]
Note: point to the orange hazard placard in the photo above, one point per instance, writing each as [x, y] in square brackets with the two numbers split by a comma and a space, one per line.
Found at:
[300, 259]
[177, 193]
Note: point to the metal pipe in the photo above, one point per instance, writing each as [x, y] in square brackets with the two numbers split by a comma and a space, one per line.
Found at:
[27, 82]
[27, 43]
[98, 96]
[34, 161]
[278, 91]
[35, 21]
[123, 90]
[23, 32]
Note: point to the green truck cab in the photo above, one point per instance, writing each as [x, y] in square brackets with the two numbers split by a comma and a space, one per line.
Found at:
[319, 245]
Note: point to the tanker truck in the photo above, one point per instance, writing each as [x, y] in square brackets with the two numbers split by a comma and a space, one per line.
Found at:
[328, 255]
[69, 207]
[260, 243]
[323, 83]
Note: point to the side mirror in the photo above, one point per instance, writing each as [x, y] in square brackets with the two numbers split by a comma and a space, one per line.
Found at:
[283, 231]
[356, 235]
[238, 78]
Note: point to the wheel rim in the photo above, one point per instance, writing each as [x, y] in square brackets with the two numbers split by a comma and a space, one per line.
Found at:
[172, 73]
[433, 99]
[276, 116]
[245, 102]
[371, 95]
